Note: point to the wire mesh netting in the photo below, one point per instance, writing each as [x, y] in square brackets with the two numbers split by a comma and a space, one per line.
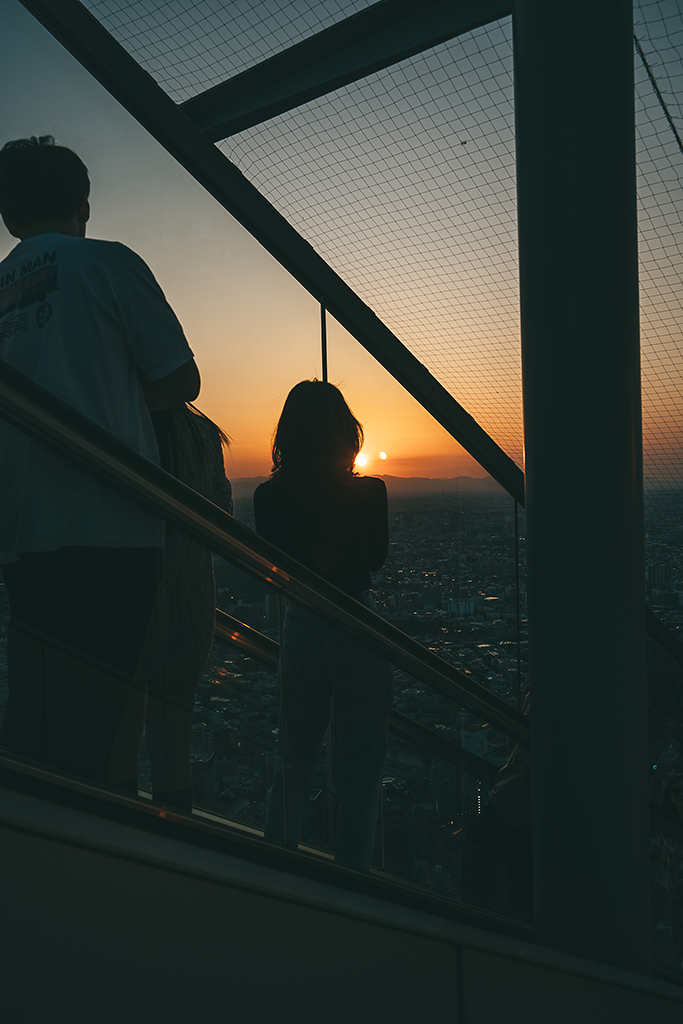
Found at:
[659, 123]
[188, 46]
[405, 183]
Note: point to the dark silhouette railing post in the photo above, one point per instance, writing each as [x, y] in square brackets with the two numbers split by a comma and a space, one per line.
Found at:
[323, 339]
[282, 738]
[581, 371]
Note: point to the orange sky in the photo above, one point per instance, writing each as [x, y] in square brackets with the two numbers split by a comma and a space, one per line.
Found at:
[254, 330]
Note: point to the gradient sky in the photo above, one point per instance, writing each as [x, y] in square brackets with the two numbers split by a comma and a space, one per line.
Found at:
[404, 182]
[253, 328]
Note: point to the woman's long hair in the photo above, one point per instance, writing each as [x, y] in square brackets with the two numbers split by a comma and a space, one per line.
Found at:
[165, 428]
[316, 430]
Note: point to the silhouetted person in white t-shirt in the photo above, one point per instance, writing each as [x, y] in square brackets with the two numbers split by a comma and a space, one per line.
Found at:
[87, 321]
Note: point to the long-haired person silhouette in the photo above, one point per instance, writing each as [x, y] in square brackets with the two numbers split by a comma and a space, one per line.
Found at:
[318, 510]
[181, 627]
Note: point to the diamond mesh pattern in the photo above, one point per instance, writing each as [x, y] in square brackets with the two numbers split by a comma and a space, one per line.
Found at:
[189, 47]
[404, 182]
[659, 29]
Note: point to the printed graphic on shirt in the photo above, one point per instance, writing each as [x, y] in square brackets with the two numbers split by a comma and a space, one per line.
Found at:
[37, 279]
[43, 314]
[14, 323]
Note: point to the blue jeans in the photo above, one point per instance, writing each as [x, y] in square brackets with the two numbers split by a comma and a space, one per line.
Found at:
[322, 667]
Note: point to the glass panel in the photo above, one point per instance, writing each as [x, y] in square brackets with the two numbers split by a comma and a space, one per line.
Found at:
[4, 622]
[666, 884]
[441, 827]
[522, 620]
[449, 720]
[234, 735]
[113, 675]
[77, 640]
[451, 578]
[164, 722]
[665, 720]
[664, 555]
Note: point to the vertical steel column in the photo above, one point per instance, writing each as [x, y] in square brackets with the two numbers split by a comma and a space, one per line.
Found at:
[330, 751]
[581, 371]
[282, 738]
[323, 339]
[518, 610]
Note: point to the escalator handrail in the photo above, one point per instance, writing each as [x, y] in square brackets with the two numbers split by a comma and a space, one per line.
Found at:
[249, 640]
[44, 417]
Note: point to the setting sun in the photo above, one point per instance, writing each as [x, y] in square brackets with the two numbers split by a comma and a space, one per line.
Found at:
[361, 460]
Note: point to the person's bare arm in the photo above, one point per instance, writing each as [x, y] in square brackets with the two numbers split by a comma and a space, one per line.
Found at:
[182, 385]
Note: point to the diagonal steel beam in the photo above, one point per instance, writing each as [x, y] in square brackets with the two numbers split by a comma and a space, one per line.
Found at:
[80, 33]
[373, 39]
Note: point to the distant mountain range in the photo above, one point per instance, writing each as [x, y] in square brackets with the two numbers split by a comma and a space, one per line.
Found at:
[398, 486]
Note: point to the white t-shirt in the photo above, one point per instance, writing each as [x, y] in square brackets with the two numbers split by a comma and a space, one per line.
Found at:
[86, 320]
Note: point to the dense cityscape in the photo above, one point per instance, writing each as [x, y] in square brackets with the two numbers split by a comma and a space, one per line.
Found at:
[454, 579]
[450, 581]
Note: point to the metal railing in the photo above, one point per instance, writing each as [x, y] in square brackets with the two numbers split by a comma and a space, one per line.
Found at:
[255, 644]
[249, 641]
[45, 418]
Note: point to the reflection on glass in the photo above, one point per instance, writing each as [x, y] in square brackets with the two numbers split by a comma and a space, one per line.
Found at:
[522, 622]
[452, 578]
[665, 720]
[107, 643]
[245, 597]
[79, 616]
[233, 736]
[664, 555]
[460, 825]
[4, 622]
[211, 733]
[666, 892]
[450, 581]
